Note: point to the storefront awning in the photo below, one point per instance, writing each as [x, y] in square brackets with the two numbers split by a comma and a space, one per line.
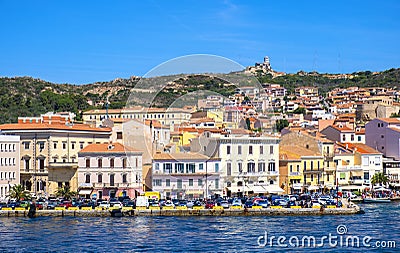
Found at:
[313, 188]
[351, 187]
[273, 189]
[85, 192]
[194, 192]
[258, 189]
[239, 188]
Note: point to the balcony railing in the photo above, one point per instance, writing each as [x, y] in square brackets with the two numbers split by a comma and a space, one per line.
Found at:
[294, 173]
[349, 168]
[58, 165]
[357, 181]
[38, 172]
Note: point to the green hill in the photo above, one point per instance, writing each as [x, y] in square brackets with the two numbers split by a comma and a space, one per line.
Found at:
[26, 96]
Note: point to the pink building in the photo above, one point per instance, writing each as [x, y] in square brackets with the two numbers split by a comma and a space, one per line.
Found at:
[109, 170]
[9, 163]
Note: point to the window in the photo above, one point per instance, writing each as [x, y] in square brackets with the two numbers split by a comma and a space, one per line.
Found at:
[318, 165]
[190, 182]
[271, 166]
[312, 165]
[111, 162]
[190, 168]
[81, 145]
[55, 145]
[200, 166]
[137, 162]
[342, 176]
[359, 138]
[312, 177]
[112, 179]
[179, 183]
[26, 164]
[228, 150]
[100, 178]
[344, 137]
[261, 149]
[157, 182]
[100, 162]
[382, 136]
[216, 167]
[250, 150]
[87, 163]
[168, 182]
[239, 150]
[200, 182]
[271, 149]
[64, 145]
[41, 165]
[305, 165]
[261, 167]
[352, 137]
[124, 180]
[179, 168]
[87, 179]
[72, 145]
[124, 163]
[327, 177]
[240, 169]
[298, 168]
[251, 167]
[217, 183]
[26, 145]
[167, 168]
[119, 135]
[291, 168]
[228, 169]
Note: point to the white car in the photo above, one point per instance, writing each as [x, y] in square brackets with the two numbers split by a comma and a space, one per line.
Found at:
[169, 203]
[104, 204]
[237, 202]
[225, 204]
[116, 204]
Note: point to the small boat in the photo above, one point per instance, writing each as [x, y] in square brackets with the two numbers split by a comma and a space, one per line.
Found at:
[376, 200]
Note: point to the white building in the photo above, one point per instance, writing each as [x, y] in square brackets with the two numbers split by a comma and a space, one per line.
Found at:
[9, 163]
[249, 164]
[186, 175]
[109, 170]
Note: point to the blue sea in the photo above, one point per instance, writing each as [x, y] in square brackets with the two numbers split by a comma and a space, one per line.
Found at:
[377, 230]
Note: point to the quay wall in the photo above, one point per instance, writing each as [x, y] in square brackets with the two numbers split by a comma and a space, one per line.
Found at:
[188, 212]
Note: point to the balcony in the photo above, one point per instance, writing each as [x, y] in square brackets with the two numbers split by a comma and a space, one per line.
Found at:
[115, 185]
[312, 172]
[330, 169]
[294, 173]
[37, 172]
[357, 181]
[349, 168]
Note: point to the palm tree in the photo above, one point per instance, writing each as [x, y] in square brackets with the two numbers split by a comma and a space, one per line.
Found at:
[18, 192]
[65, 192]
[379, 178]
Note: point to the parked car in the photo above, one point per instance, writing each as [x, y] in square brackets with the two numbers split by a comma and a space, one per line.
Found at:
[129, 203]
[176, 202]
[190, 204]
[104, 204]
[236, 202]
[65, 204]
[248, 204]
[169, 203]
[51, 204]
[115, 204]
[264, 203]
[182, 203]
[13, 204]
[210, 204]
[3, 204]
[224, 204]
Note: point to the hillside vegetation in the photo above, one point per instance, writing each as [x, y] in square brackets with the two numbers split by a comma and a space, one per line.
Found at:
[26, 96]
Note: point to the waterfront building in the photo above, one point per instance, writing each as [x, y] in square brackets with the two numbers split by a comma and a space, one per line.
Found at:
[317, 162]
[186, 175]
[249, 162]
[367, 162]
[343, 133]
[49, 147]
[166, 116]
[109, 170]
[9, 163]
[383, 134]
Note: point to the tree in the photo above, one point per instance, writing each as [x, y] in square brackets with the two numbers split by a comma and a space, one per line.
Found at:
[65, 192]
[379, 178]
[300, 110]
[281, 124]
[18, 192]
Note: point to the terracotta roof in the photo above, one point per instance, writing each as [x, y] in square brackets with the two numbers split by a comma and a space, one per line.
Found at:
[46, 126]
[105, 148]
[294, 150]
[360, 148]
[343, 128]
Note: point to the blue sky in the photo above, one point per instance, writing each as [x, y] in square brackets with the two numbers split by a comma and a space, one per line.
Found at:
[85, 41]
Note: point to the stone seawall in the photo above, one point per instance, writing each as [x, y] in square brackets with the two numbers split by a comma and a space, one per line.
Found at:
[188, 212]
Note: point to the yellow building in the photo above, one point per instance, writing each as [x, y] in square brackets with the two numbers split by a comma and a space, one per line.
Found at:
[49, 147]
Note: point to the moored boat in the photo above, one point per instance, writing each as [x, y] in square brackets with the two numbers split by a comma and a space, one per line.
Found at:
[376, 200]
